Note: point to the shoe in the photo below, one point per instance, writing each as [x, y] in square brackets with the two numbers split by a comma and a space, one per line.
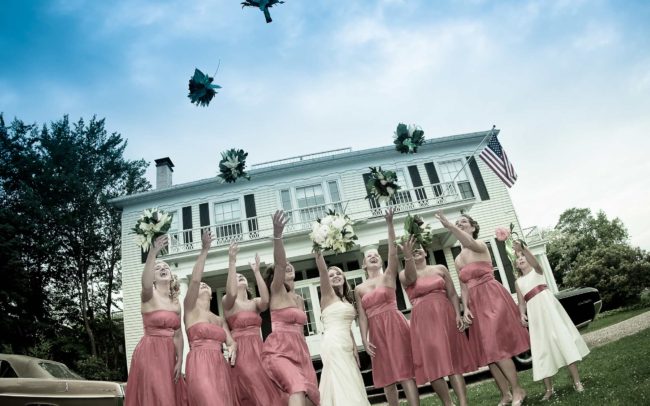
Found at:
[520, 401]
[506, 402]
[578, 387]
[548, 394]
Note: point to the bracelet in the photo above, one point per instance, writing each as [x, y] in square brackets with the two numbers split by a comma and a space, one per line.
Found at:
[276, 238]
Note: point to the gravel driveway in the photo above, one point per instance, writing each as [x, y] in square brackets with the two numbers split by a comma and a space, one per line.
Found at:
[619, 330]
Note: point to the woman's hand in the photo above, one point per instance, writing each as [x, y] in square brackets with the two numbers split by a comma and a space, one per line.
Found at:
[407, 247]
[443, 220]
[177, 371]
[232, 351]
[524, 320]
[389, 215]
[279, 221]
[370, 348]
[468, 316]
[460, 325]
[255, 266]
[206, 240]
[233, 249]
[160, 243]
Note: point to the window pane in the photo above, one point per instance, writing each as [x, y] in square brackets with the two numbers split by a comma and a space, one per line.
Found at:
[227, 216]
[310, 327]
[465, 190]
[334, 191]
[285, 198]
[449, 170]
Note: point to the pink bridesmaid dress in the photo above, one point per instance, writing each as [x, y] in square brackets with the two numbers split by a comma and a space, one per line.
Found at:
[207, 374]
[389, 332]
[496, 332]
[252, 387]
[151, 377]
[439, 349]
[285, 355]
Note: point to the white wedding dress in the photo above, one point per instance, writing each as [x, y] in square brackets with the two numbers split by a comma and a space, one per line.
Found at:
[341, 383]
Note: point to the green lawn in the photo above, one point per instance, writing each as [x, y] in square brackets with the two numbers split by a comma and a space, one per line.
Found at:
[614, 374]
[612, 317]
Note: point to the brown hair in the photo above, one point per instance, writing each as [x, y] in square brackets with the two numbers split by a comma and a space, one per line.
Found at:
[268, 278]
[474, 224]
[347, 291]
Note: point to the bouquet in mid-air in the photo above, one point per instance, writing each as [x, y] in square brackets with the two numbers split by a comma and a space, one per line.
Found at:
[408, 138]
[508, 236]
[382, 185]
[232, 165]
[414, 226]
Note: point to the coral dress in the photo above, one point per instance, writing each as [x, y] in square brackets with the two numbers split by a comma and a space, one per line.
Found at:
[341, 383]
[285, 355]
[207, 373]
[389, 331]
[151, 377]
[252, 387]
[496, 332]
[439, 349]
[554, 339]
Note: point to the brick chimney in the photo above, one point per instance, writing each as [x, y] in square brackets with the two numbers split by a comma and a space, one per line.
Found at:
[164, 173]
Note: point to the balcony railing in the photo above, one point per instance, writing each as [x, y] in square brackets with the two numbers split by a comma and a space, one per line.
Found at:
[301, 219]
[533, 235]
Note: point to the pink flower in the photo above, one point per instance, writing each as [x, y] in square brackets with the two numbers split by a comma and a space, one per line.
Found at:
[502, 233]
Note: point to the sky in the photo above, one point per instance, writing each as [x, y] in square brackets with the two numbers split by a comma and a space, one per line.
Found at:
[567, 82]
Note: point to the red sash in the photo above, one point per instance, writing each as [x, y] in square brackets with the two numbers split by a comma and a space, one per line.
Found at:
[534, 291]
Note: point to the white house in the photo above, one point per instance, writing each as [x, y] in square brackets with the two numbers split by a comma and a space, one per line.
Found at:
[443, 175]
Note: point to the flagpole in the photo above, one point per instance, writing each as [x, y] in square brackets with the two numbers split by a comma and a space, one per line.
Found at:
[490, 134]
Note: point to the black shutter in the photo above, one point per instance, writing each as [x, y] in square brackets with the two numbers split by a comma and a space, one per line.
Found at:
[507, 265]
[251, 213]
[478, 179]
[433, 178]
[187, 225]
[439, 258]
[455, 251]
[420, 194]
[374, 203]
[399, 295]
[143, 255]
[204, 215]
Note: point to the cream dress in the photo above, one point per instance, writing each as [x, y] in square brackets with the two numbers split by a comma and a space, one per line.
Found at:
[341, 383]
[554, 339]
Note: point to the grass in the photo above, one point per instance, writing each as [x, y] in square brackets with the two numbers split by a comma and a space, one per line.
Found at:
[610, 317]
[617, 373]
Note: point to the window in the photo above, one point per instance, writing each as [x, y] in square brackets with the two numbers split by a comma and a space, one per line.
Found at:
[335, 196]
[228, 219]
[309, 328]
[6, 371]
[453, 172]
[402, 198]
[310, 202]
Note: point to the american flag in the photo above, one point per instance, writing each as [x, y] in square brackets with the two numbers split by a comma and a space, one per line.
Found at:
[495, 157]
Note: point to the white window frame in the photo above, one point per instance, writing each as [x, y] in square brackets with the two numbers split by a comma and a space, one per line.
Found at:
[464, 169]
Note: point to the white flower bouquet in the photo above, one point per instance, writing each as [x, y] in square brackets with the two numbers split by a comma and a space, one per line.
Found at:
[333, 232]
[152, 224]
[382, 185]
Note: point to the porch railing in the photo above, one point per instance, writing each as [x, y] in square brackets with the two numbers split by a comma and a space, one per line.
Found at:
[533, 234]
[301, 219]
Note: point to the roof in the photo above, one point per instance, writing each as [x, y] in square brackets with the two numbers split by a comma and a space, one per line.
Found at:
[213, 182]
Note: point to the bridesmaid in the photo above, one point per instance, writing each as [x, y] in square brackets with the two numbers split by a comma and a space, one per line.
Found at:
[440, 347]
[341, 383]
[285, 355]
[157, 359]
[554, 339]
[207, 372]
[252, 386]
[496, 334]
[384, 329]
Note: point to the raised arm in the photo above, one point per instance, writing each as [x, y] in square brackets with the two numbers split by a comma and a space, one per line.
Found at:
[326, 289]
[231, 283]
[363, 325]
[261, 302]
[410, 273]
[466, 240]
[279, 255]
[147, 273]
[530, 258]
[391, 269]
[452, 295]
[197, 272]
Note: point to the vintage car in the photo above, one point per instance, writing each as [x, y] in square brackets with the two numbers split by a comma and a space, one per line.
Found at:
[29, 381]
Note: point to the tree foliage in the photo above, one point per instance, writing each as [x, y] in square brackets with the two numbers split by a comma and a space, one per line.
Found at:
[61, 240]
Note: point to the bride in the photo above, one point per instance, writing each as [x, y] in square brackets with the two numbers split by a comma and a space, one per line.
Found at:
[340, 382]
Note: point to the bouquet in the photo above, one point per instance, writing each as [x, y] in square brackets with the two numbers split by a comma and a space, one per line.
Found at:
[201, 88]
[232, 165]
[333, 232]
[416, 227]
[263, 5]
[382, 184]
[152, 224]
[507, 235]
[408, 139]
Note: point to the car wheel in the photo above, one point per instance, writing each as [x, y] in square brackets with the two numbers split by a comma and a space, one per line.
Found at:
[523, 360]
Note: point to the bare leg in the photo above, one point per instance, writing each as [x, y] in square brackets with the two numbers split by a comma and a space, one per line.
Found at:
[573, 370]
[411, 391]
[548, 382]
[391, 395]
[458, 383]
[508, 368]
[502, 383]
[297, 399]
[441, 388]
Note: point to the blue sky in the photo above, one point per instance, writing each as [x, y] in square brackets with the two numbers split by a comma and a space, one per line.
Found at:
[567, 82]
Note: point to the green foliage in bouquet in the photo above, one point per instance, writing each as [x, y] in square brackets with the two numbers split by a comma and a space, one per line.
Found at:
[152, 224]
[333, 232]
[232, 165]
[416, 227]
[263, 5]
[201, 88]
[408, 139]
[381, 185]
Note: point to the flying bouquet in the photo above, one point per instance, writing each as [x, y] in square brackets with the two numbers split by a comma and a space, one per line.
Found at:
[152, 224]
[232, 165]
[508, 235]
[416, 227]
[263, 5]
[408, 139]
[333, 232]
[382, 184]
[201, 88]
